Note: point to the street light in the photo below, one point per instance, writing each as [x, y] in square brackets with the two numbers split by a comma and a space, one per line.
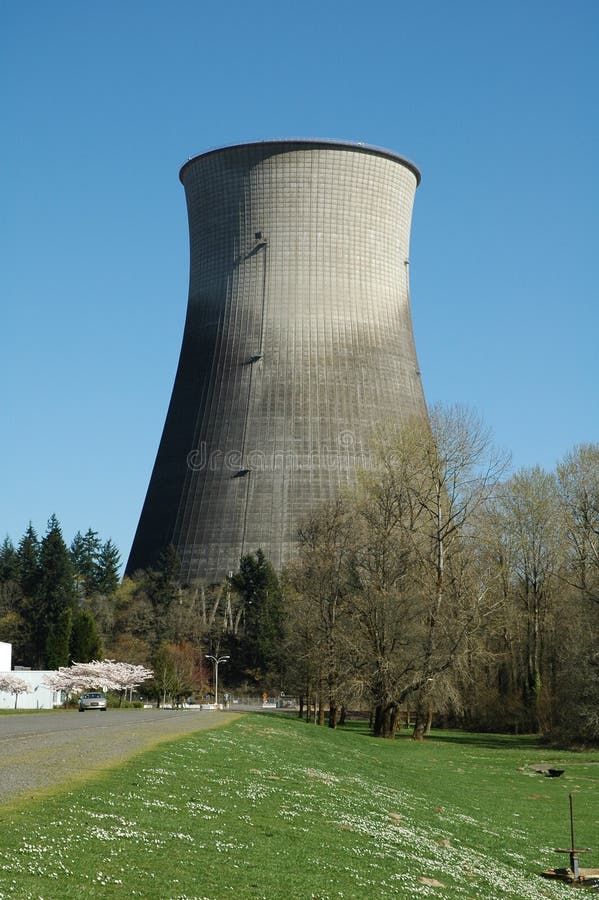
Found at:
[216, 660]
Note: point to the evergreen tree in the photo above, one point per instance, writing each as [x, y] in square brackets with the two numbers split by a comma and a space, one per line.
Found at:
[10, 569]
[165, 584]
[106, 572]
[261, 644]
[29, 558]
[84, 553]
[54, 600]
[14, 607]
[58, 639]
[85, 642]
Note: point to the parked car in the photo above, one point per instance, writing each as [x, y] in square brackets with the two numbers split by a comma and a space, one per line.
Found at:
[93, 700]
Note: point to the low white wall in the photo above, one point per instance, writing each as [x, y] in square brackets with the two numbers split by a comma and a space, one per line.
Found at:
[41, 697]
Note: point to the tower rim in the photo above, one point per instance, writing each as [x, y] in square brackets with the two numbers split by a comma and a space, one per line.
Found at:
[315, 143]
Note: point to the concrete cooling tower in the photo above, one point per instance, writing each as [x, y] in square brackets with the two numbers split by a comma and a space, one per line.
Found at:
[298, 343]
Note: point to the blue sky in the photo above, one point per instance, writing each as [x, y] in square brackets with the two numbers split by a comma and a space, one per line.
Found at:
[101, 104]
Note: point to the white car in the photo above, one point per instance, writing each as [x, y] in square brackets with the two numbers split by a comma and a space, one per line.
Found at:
[93, 700]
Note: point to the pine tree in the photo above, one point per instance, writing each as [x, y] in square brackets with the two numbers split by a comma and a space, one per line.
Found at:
[29, 557]
[85, 642]
[258, 586]
[165, 584]
[106, 572]
[58, 639]
[84, 553]
[54, 600]
[9, 562]
[13, 607]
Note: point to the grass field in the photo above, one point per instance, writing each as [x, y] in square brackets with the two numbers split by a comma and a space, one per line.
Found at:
[270, 807]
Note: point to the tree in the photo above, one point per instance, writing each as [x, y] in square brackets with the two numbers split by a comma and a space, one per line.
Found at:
[66, 681]
[14, 630]
[85, 642]
[104, 675]
[258, 587]
[322, 578]
[387, 603]
[12, 684]
[167, 680]
[439, 475]
[54, 600]
[529, 507]
[9, 562]
[106, 573]
[135, 649]
[578, 486]
[29, 560]
[58, 638]
[575, 667]
[13, 626]
[391, 579]
[164, 586]
[84, 552]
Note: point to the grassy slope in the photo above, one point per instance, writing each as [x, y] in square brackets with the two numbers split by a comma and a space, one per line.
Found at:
[271, 807]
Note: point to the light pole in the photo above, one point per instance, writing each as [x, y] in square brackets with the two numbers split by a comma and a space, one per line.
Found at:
[216, 660]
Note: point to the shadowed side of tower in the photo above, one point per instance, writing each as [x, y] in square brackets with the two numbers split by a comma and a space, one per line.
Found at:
[298, 342]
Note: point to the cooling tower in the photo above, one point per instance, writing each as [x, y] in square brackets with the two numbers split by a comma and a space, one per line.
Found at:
[298, 342]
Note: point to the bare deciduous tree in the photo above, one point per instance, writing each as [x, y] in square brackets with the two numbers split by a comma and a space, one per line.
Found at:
[392, 571]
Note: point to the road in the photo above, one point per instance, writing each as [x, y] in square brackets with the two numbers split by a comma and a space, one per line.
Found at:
[41, 752]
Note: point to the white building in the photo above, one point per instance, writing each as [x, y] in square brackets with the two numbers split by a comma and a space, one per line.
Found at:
[5, 657]
[40, 697]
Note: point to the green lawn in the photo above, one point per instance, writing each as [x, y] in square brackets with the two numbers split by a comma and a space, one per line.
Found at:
[272, 807]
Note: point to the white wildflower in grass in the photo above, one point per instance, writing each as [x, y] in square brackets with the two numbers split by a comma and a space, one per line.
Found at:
[301, 812]
[196, 806]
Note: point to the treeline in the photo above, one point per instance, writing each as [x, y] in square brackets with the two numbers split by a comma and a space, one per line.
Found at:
[444, 586]
[157, 620]
[440, 585]
[44, 586]
[61, 604]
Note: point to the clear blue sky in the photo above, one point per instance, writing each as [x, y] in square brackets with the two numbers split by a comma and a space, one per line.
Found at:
[102, 102]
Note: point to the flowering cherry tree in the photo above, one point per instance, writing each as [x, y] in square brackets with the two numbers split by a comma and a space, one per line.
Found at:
[126, 676]
[107, 675]
[67, 682]
[12, 684]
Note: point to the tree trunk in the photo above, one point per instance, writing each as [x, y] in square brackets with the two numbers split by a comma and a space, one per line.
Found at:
[343, 714]
[300, 713]
[418, 733]
[386, 716]
[429, 719]
[320, 710]
[420, 726]
[333, 714]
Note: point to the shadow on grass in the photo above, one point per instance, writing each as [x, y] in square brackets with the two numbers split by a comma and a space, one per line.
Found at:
[493, 741]
[466, 738]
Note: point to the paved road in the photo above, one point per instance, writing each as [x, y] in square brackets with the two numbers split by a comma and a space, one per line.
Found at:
[44, 751]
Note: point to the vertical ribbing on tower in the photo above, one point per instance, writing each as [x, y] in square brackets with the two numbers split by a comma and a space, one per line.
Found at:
[298, 343]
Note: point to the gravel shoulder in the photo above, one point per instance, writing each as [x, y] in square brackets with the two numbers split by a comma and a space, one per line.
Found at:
[41, 754]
